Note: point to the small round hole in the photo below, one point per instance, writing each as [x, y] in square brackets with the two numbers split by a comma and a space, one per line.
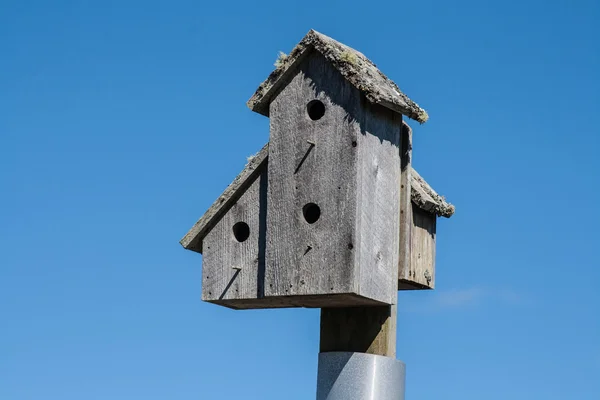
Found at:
[315, 109]
[241, 231]
[311, 213]
[354, 143]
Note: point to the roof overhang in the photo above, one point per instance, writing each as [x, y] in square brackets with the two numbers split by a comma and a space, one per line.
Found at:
[354, 67]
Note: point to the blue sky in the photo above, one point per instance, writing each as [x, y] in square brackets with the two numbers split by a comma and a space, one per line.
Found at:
[122, 121]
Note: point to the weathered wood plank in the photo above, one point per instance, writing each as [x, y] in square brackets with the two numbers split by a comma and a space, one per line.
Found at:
[312, 258]
[378, 204]
[405, 206]
[422, 265]
[193, 239]
[233, 260]
[346, 163]
[422, 195]
[369, 330]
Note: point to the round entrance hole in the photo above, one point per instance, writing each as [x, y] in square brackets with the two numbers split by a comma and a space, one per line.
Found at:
[311, 213]
[315, 109]
[241, 231]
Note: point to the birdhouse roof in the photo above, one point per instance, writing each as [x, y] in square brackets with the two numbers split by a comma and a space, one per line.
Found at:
[422, 195]
[193, 239]
[426, 198]
[354, 67]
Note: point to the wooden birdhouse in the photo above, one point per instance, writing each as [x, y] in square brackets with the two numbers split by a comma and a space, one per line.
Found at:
[330, 212]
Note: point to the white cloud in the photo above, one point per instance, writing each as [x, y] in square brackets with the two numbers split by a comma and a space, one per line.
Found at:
[461, 298]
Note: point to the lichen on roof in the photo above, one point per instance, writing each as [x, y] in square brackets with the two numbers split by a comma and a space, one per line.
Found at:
[354, 67]
[280, 59]
[427, 199]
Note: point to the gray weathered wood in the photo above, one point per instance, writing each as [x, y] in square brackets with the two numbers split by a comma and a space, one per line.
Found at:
[416, 267]
[231, 270]
[405, 207]
[356, 69]
[378, 202]
[369, 330]
[422, 241]
[348, 163]
[421, 195]
[351, 173]
[408, 271]
[302, 258]
[193, 239]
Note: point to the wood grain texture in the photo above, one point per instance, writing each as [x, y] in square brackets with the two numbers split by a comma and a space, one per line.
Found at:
[404, 273]
[422, 195]
[303, 258]
[233, 270]
[378, 204]
[351, 173]
[193, 239]
[369, 330]
[422, 265]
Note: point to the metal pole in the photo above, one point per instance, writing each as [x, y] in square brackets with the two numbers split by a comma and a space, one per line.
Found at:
[359, 376]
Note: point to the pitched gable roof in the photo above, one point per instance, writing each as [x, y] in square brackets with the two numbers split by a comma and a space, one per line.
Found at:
[193, 239]
[422, 195]
[354, 67]
[426, 198]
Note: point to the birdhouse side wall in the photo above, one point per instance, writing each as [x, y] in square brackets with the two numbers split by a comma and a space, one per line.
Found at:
[420, 273]
[405, 204]
[233, 257]
[378, 202]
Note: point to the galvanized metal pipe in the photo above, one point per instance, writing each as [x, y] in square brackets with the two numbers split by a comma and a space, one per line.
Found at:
[360, 376]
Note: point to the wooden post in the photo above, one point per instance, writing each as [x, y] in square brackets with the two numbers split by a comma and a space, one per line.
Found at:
[369, 330]
[372, 330]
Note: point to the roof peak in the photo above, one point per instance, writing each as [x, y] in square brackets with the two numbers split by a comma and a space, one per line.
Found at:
[357, 69]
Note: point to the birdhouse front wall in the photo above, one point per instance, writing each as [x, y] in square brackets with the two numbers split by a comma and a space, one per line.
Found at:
[233, 251]
[333, 195]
